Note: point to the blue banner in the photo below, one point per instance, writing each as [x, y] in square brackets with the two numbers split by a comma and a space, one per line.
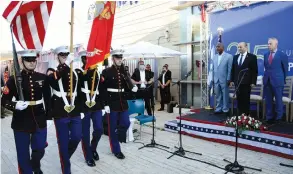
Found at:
[254, 25]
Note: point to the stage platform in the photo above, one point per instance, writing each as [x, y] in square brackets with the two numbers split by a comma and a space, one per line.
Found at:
[200, 123]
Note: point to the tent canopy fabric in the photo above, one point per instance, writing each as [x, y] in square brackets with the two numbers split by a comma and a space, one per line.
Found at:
[149, 51]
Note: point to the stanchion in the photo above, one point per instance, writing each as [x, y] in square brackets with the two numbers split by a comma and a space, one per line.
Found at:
[181, 151]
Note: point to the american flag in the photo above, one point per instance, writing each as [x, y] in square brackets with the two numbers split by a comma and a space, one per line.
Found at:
[29, 21]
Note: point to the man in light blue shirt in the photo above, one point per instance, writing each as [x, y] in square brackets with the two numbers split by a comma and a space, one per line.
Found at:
[221, 69]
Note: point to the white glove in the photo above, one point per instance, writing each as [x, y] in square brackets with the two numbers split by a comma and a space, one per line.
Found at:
[21, 105]
[142, 86]
[103, 112]
[134, 89]
[107, 109]
[82, 115]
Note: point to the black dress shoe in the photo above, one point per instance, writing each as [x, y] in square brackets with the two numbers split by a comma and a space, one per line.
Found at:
[119, 155]
[218, 113]
[160, 109]
[270, 121]
[279, 121]
[91, 163]
[38, 172]
[96, 156]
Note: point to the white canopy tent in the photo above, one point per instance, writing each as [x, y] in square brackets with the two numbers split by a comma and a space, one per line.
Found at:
[148, 50]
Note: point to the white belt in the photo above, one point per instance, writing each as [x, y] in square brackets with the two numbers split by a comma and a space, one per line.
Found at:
[32, 103]
[88, 91]
[85, 90]
[58, 93]
[115, 90]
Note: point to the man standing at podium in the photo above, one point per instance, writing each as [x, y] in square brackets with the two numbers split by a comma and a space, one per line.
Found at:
[221, 69]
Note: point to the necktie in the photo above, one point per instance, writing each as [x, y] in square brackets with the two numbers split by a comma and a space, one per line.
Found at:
[240, 62]
[271, 58]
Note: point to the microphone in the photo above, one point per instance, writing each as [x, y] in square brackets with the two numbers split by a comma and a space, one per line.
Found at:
[189, 73]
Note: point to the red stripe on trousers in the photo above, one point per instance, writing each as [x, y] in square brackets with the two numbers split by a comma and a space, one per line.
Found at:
[60, 156]
[83, 149]
[19, 169]
[109, 134]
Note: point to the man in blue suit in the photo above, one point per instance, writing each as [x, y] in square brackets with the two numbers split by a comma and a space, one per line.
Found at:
[276, 68]
[221, 69]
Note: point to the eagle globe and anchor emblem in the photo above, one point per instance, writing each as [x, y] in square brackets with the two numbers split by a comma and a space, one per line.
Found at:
[98, 9]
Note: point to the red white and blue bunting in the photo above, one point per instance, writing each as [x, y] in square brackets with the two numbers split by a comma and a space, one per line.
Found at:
[266, 142]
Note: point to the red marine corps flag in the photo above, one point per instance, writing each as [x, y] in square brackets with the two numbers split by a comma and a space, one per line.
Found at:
[29, 21]
[100, 38]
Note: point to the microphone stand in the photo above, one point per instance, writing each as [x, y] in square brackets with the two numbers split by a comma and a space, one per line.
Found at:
[213, 93]
[153, 143]
[181, 151]
[235, 166]
[286, 165]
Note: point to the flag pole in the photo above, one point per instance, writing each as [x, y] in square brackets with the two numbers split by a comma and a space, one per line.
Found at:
[17, 74]
[71, 48]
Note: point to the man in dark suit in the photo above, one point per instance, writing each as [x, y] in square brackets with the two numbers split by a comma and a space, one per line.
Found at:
[276, 70]
[151, 91]
[244, 65]
[168, 71]
[164, 84]
[143, 79]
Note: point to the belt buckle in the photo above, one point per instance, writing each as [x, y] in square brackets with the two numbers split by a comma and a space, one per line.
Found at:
[32, 102]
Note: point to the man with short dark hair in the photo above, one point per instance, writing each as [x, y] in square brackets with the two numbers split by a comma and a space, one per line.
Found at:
[115, 84]
[29, 121]
[92, 108]
[164, 84]
[221, 69]
[66, 107]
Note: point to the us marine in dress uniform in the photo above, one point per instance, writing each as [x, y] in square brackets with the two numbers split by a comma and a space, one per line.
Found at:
[29, 121]
[116, 82]
[66, 108]
[92, 104]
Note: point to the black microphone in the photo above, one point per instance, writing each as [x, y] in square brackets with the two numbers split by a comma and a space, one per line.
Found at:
[189, 73]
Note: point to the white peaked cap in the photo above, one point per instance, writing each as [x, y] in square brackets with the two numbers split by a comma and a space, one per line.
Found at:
[116, 52]
[61, 49]
[82, 53]
[28, 53]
